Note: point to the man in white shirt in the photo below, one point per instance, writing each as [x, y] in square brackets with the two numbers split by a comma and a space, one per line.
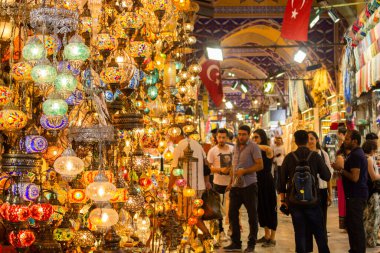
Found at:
[220, 160]
[198, 180]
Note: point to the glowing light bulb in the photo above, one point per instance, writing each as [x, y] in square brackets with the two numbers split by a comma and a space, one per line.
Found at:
[119, 59]
[104, 217]
[101, 191]
[69, 166]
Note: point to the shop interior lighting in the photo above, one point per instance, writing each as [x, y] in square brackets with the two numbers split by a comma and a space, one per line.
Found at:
[235, 85]
[244, 88]
[315, 18]
[255, 102]
[214, 52]
[333, 15]
[268, 87]
[280, 73]
[300, 56]
[229, 105]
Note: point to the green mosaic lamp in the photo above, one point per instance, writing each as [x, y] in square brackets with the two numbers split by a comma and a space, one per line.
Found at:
[33, 50]
[65, 83]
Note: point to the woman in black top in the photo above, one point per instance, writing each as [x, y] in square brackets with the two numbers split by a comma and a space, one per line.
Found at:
[267, 199]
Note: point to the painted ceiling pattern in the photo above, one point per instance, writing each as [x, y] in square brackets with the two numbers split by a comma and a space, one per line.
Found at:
[266, 60]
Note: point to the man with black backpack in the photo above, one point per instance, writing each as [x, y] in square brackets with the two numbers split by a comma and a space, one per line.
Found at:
[299, 190]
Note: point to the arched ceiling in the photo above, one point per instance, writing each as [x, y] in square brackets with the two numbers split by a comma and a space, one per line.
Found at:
[247, 51]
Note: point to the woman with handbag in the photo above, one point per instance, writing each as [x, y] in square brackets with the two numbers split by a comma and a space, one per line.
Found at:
[372, 211]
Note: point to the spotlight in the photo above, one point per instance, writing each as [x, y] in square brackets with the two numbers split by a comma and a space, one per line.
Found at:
[300, 56]
[278, 103]
[244, 88]
[255, 102]
[333, 15]
[214, 52]
[235, 84]
[280, 73]
[315, 18]
[229, 105]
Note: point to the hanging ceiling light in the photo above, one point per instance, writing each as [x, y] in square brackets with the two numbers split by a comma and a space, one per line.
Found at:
[300, 56]
[333, 15]
[69, 165]
[229, 105]
[235, 85]
[244, 87]
[315, 18]
[214, 52]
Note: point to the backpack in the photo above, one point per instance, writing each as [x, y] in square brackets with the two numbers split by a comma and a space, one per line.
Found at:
[303, 187]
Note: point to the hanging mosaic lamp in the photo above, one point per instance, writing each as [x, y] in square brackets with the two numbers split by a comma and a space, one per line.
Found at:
[101, 190]
[195, 69]
[69, 165]
[33, 50]
[21, 71]
[34, 144]
[65, 83]
[103, 218]
[113, 74]
[41, 211]
[135, 201]
[130, 20]
[44, 74]
[105, 43]
[5, 95]
[22, 238]
[54, 126]
[152, 92]
[76, 52]
[27, 191]
[83, 238]
[140, 49]
[12, 119]
[54, 106]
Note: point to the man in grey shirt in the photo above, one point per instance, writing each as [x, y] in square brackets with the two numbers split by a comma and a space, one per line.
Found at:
[246, 162]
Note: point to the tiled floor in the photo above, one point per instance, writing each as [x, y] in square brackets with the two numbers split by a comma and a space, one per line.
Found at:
[338, 240]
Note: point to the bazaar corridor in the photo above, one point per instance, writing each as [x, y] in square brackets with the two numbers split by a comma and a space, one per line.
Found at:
[338, 239]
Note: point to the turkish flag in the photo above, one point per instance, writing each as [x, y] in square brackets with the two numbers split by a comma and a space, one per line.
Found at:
[295, 24]
[210, 76]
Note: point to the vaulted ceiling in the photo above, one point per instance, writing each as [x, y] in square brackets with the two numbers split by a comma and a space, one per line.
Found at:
[247, 30]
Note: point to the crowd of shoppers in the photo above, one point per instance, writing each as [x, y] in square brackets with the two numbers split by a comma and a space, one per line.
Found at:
[250, 171]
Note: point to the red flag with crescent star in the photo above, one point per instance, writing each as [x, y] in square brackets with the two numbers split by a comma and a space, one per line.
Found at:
[210, 76]
[295, 24]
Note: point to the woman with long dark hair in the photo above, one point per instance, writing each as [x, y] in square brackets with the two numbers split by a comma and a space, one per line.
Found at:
[267, 199]
[325, 188]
